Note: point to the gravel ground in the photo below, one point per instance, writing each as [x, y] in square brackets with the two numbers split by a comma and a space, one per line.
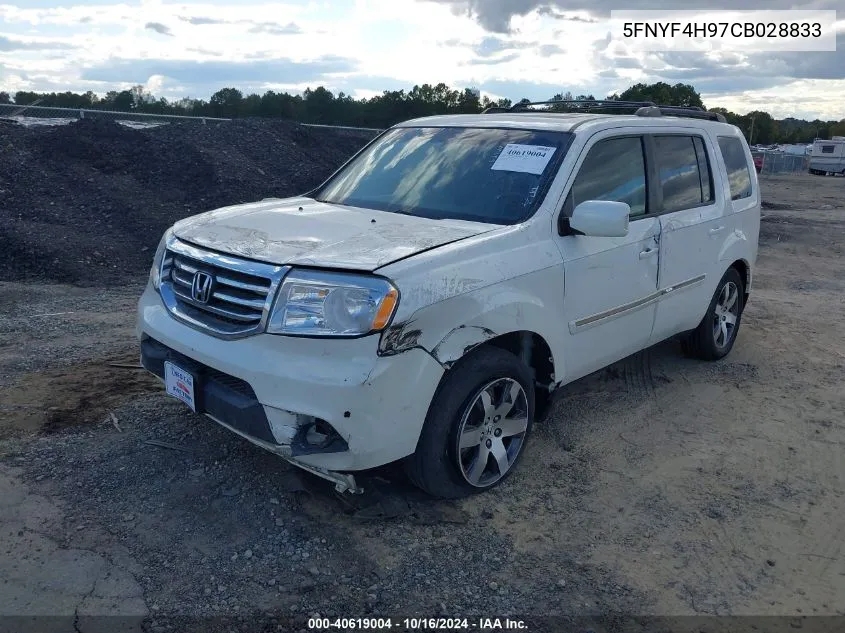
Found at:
[86, 203]
[660, 485]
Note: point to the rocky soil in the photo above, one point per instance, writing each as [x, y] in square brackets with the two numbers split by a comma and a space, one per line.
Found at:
[658, 486]
[86, 203]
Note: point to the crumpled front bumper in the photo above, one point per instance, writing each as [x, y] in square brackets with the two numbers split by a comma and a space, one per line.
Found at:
[268, 388]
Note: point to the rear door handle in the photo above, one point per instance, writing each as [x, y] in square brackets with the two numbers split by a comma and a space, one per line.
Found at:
[717, 230]
[648, 253]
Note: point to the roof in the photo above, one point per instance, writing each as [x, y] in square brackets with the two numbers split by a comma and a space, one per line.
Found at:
[554, 121]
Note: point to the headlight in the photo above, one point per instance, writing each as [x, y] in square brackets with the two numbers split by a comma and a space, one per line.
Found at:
[155, 270]
[315, 303]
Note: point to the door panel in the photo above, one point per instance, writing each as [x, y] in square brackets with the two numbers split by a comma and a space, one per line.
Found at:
[683, 270]
[692, 228]
[610, 282]
[611, 288]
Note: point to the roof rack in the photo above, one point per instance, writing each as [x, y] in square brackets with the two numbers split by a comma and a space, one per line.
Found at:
[643, 108]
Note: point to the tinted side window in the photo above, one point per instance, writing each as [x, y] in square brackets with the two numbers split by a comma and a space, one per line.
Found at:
[738, 175]
[679, 173]
[613, 170]
[827, 149]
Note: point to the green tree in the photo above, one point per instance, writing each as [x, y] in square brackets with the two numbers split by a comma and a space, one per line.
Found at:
[141, 97]
[469, 102]
[22, 97]
[762, 128]
[319, 105]
[226, 102]
[663, 94]
[121, 101]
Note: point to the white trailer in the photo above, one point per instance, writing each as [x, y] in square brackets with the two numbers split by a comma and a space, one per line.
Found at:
[828, 157]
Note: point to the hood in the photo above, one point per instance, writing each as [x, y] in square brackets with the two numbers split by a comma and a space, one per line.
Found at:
[302, 231]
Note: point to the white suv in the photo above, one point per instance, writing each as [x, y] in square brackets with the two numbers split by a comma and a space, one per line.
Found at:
[425, 301]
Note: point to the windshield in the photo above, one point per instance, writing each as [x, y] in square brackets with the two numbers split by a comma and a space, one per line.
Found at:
[498, 176]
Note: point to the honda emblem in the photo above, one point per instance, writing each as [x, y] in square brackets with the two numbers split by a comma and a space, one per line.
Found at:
[201, 287]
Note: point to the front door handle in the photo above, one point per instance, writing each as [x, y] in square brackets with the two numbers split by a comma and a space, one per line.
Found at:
[648, 253]
[717, 230]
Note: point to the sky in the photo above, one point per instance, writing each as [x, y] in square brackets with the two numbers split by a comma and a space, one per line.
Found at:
[505, 48]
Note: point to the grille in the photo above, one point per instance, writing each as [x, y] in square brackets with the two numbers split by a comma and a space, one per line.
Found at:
[240, 295]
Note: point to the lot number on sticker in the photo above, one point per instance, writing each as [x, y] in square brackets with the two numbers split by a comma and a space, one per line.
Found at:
[528, 159]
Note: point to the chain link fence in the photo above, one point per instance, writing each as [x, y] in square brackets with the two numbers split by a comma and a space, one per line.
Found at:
[42, 115]
[782, 163]
[32, 115]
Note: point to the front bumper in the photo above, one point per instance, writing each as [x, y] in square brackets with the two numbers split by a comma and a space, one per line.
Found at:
[267, 388]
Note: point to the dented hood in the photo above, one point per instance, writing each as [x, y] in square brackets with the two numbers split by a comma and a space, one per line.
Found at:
[306, 232]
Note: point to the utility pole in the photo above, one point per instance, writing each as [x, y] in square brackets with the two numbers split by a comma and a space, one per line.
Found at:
[751, 134]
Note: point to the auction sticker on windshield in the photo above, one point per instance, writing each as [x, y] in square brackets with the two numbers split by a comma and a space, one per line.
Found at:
[529, 159]
[179, 384]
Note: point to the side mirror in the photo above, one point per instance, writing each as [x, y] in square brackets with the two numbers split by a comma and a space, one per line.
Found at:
[601, 218]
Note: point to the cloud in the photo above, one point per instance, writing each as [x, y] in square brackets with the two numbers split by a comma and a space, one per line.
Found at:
[509, 48]
[488, 61]
[9, 44]
[757, 69]
[491, 45]
[555, 14]
[269, 28]
[547, 50]
[495, 15]
[273, 28]
[205, 51]
[198, 20]
[519, 89]
[158, 27]
[281, 71]
[626, 62]
[806, 65]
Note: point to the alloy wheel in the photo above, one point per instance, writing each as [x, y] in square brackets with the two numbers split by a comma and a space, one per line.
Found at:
[726, 314]
[492, 432]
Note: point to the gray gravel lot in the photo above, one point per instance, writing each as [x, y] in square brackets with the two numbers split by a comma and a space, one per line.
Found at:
[660, 485]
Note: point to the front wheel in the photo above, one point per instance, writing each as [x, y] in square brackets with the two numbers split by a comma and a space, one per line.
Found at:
[715, 335]
[476, 427]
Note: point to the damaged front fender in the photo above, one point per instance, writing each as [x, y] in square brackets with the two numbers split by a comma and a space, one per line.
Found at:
[399, 338]
[450, 329]
[459, 342]
[403, 337]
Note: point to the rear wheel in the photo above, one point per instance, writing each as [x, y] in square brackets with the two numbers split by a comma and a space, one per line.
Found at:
[476, 427]
[715, 335]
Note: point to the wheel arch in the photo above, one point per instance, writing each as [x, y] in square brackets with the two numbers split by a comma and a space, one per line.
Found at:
[738, 251]
[744, 270]
[530, 347]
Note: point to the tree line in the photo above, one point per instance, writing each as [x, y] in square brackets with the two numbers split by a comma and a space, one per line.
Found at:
[319, 105]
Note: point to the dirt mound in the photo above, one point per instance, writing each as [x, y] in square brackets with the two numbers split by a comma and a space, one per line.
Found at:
[76, 396]
[87, 202]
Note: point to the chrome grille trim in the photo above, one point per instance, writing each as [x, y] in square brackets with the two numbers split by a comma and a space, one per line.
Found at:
[256, 304]
[241, 297]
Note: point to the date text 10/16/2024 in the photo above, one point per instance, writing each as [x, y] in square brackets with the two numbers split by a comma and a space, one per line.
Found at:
[416, 624]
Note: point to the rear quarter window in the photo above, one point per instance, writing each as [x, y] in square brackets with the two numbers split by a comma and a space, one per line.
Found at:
[684, 172]
[739, 176]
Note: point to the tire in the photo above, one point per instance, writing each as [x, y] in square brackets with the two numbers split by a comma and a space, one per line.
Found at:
[715, 335]
[490, 428]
